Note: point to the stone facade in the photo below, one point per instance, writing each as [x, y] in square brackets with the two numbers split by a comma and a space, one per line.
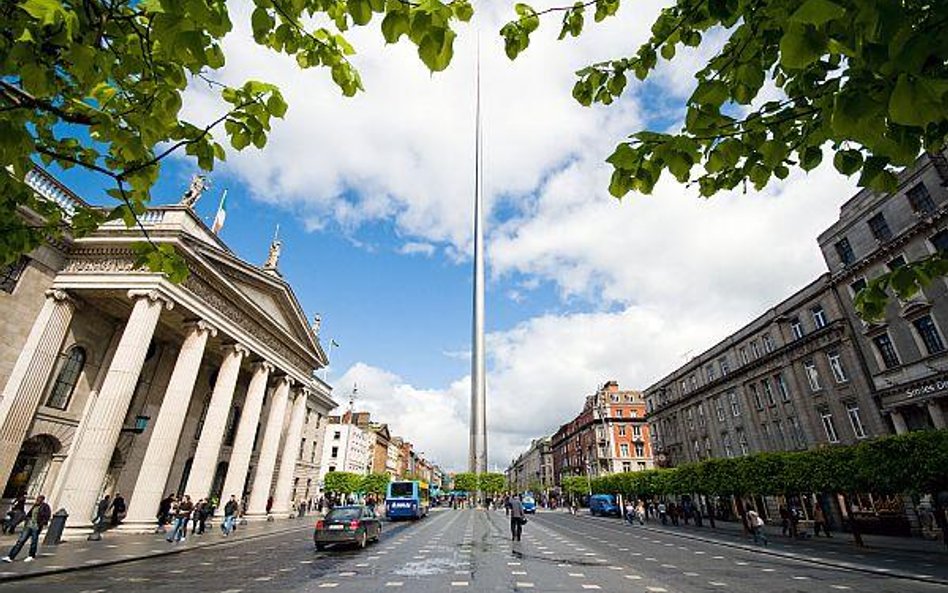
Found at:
[532, 470]
[117, 380]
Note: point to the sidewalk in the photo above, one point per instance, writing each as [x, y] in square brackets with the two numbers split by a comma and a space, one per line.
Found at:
[911, 558]
[117, 548]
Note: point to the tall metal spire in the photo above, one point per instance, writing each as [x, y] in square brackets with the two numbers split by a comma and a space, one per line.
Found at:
[478, 445]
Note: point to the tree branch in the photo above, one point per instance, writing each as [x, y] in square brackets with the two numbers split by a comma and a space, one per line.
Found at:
[20, 98]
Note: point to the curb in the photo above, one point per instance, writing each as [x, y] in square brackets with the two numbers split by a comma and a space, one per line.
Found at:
[800, 558]
[168, 552]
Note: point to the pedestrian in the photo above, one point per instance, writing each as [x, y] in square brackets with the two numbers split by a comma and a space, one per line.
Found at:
[101, 513]
[663, 513]
[118, 509]
[507, 506]
[164, 513]
[36, 519]
[696, 514]
[269, 504]
[200, 516]
[640, 512]
[15, 515]
[795, 515]
[630, 513]
[673, 512]
[819, 521]
[784, 520]
[182, 513]
[517, 518]
[756, 525]
[230, 515]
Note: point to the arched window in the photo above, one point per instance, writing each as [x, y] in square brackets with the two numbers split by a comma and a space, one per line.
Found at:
[69, 371]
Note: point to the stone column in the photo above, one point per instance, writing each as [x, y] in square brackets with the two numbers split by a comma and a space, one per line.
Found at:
[215, 422]
[291, 447]
[90, 463]
[938, 416]
[166, 433]
[27, 383]
[266, 461]
[246, 430]
[898, 422]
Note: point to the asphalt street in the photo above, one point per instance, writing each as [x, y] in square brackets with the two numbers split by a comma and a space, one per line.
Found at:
[467, 550]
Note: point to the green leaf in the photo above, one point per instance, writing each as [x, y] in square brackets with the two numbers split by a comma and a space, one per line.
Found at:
[360, 10]
[817, 12]
[847, 162]
[710, 92]
[914, 102]
[800, 46]
[394, 25]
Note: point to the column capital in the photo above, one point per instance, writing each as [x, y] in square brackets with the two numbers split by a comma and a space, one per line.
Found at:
[60, 296]
[262, 364]
[200, 325]
[236, 348]
[288, 379]
[152, 295]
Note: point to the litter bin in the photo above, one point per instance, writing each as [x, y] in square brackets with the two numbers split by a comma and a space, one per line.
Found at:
[56, 525]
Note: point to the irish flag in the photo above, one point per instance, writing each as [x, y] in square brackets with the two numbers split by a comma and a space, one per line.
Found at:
[221, 214]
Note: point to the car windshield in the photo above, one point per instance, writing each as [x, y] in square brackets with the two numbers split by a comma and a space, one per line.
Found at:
[344, 514]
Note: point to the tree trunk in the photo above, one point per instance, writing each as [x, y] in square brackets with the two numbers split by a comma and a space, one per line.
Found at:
[742, 514]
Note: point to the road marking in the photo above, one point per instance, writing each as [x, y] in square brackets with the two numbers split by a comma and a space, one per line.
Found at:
[394, 584]
[615, 568]
[348, 573]
[459, 583]
[768, 569]
[700, 553]
[633, 577]
[691, 574]
[717, 584]
[800, 578]
[263, 578]
[669, 566]
[840, 587]
[718, 557]
[740, 563]
[513, 564]
[591, 587]
[578, 575]
[362, 565]
[656, 589]
[328, 585]
[520, 572]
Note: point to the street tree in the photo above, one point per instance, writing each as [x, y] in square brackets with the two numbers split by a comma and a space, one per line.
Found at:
[342, 482]
[466, 482]
[98, 84]
[492, 483]
[375, 484]
[787, 82]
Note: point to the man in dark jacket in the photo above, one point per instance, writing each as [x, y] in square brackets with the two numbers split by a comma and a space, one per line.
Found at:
[35, 521]
[230, 515]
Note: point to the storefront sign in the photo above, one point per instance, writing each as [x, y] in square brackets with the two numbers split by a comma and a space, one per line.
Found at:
[935, 386]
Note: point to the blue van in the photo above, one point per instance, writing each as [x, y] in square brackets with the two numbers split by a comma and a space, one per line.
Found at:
[529, 504]
[604, 505]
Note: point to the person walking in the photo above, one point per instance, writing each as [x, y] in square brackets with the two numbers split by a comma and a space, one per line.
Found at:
[756, 525]
[517, 518]
[663, 513]
[35, 521]
[102, 513]
[640, 512]
[118, 509]
[164, 513]
[16, 514]
[182, 513]
[230, 515]
[819, 521]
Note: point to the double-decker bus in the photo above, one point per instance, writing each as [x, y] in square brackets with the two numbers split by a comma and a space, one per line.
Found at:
[406, 500]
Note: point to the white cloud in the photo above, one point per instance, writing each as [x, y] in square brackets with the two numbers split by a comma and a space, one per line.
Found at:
[417, 248]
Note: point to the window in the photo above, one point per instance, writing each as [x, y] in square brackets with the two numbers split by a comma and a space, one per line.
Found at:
[335, 452]
[728, 448]
[633, 414]
[812, 375]
[768, 438]
[880, 228]
[852, 410]
[697, 447]
[845, 251]
[694, 382]
[742, 442]
[621, 431]
[710, 373]
[707, 447]
[719, 408]
[755, 349]
[890, 358]
[755, 393]
[896, 262]
[782, 387]
[701, 419]
[769, 392]
[827, 417]
[690, 418]
[836, 364]
[743, 354]
[639, 449]
[614, 398]
[929, 333]
[10, 274]
[920, 199]
[71, 364]
[768, 343]
[684, 387]
[796, 328]
[636, 432]
[232, 425]
[781, 438]
[623, 450]
[626, 466]
[203, 416]
[796, 430]
[725, 368]
[940, 240]
[619, 413]
[856, 286]
[336, 435]
[302, 448]
[819, 317]
[735, 403]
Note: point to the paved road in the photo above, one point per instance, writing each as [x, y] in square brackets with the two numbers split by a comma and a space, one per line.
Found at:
[467, 551]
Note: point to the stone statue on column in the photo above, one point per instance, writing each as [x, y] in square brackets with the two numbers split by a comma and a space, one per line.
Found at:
[199, 184]
[317, 323]
[275, 247]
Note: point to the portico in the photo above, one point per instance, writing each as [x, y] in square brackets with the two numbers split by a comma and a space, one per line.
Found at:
[127, 382]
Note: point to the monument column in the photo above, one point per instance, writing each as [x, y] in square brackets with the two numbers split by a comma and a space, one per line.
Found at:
[215, 422]
[28, 380]
[93, 452]
[246, 430]
[263, 474]
[166, 433]
[291, 446]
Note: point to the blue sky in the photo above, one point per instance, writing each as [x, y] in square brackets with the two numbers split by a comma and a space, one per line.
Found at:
[373, 197]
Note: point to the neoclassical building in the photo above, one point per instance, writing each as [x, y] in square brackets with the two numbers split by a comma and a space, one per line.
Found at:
[116, 380]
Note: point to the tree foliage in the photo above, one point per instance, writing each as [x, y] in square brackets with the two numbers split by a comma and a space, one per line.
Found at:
[343, 482]
[98, 84]
[488, 482]
[909, 463]
[375, 483]
[465, 482]
[865, 80]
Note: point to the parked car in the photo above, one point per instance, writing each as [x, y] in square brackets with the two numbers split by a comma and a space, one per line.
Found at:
[604, 505]
[354, 524]
[529, 504]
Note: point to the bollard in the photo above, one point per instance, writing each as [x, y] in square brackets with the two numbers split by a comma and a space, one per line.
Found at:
[56, 525]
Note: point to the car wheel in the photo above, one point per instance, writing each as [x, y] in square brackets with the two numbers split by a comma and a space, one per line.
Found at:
[364, 539]
[320, 547]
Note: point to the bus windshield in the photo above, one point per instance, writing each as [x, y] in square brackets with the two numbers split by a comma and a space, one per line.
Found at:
[402, 489]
